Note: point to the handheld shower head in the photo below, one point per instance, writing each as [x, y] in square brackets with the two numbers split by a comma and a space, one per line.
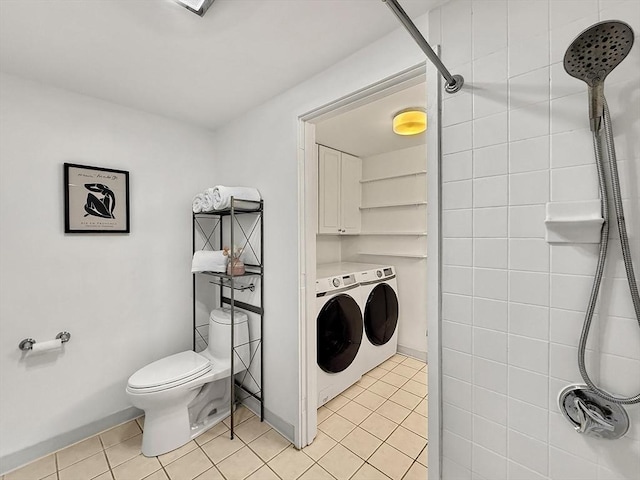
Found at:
[593, 55]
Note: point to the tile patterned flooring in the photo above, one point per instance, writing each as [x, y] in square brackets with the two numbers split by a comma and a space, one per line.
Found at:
[375, 430]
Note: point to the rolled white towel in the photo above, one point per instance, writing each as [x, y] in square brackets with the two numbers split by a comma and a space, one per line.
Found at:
[208, 261]
[222, 195]
[197, 203]
[207, 200]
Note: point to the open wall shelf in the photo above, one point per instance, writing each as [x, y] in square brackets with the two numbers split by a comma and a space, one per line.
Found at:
[390, 205]
[402, 255]
[396, 234]
[390, 177]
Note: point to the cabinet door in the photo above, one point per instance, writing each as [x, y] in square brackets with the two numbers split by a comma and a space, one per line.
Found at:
[328, 190]
[351, 174]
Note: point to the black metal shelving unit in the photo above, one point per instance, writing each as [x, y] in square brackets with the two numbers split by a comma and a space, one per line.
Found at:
[212, 228]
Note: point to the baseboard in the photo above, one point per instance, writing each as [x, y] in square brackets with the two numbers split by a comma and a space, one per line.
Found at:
[283, 427]
[412, 352]
[26, 455]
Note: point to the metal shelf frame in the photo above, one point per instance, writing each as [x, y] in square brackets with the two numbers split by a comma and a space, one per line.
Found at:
[212, 231]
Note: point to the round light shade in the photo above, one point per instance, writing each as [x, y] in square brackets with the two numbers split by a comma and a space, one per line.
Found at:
[410, 121]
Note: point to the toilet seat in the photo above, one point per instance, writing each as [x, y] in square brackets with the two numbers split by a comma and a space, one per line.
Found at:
[169, 372]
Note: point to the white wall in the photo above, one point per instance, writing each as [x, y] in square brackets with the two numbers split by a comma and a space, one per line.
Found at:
[328, 249]
[515, 138]
[411, 272]
[126, 299]
[260, 149]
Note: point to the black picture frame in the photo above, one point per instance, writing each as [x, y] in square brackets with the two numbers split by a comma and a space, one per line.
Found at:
[96, 199]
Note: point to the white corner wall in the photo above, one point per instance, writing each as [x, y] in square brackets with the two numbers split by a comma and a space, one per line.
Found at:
[514, 139]
[126, 299]
[261, 149]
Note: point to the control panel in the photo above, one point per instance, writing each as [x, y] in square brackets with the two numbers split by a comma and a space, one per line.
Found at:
[327, 285]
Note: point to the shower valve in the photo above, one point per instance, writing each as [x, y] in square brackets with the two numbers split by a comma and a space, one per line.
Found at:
[591, 419]
[592, 415]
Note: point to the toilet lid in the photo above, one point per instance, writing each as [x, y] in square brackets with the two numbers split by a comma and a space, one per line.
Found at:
[170, 370]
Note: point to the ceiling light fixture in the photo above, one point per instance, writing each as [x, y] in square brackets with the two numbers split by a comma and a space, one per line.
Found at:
[410, 121]
[199, 7]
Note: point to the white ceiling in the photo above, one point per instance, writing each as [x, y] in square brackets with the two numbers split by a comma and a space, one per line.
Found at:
[156, 56]
[366, 130]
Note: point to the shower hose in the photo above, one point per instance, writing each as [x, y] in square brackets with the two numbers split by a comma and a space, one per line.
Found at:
[604, 242]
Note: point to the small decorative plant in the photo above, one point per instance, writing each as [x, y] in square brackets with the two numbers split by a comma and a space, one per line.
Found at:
[235, 265]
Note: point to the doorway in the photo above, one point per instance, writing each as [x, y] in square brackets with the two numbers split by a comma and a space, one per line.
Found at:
[330, 126]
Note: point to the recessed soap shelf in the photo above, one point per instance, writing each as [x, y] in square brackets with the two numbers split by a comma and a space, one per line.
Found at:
[573, 222]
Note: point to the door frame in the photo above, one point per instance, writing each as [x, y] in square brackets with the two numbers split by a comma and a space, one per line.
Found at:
[308, 221]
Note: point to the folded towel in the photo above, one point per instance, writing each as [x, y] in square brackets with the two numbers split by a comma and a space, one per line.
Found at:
[197, 203]
[222, 195]
[209, 261]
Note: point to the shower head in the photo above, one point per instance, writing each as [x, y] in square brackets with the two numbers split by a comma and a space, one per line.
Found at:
[593, 55]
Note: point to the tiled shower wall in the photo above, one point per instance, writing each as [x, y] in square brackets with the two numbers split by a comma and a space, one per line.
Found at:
[514, 139]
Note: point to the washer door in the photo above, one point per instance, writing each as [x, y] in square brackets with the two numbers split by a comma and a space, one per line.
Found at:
[381, 314]
[339, 333]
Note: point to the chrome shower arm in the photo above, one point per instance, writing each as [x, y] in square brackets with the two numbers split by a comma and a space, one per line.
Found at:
[454, 82]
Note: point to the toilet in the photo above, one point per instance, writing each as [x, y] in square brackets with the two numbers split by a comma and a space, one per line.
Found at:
[185, 394]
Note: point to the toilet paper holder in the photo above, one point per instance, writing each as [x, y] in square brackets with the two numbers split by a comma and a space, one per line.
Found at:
[27, 343]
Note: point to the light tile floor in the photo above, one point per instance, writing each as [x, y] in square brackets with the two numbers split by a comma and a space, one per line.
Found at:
[377, 429]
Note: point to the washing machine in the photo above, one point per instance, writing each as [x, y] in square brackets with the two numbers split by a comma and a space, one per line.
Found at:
[379, 305]
[339, 330]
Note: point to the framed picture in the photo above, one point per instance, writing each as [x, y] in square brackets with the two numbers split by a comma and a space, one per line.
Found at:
[96, 200]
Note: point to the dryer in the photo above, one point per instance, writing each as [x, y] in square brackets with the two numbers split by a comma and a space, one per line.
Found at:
[339, 334]
[379, 304]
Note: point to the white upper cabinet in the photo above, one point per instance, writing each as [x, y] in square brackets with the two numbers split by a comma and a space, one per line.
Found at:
[351, 171]
[339, 176]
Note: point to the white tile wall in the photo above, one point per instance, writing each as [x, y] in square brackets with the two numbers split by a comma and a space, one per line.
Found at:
[490, 404]
[526, 418]
[490, 375]
[529, 188]
[491, 130]
[529, 155]
[530, 321]
[490, 191]
[490, 283]
[490, 252]
[491, 314]
[517, 138]
[457, 308]
[489, 27]
[459, 166]
[490, 435]
[532, 87]
[489, 464]
[527, 221]
[490, 344]
[490, 161]
[529, 121]
[457, 365]
[490, 222]
[459, 421]
[518, 472]
[571, 148]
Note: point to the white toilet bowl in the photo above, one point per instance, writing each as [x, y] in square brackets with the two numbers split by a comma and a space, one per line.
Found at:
[185, 394]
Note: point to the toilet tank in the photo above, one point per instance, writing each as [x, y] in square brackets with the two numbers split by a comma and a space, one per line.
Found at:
[220, 337]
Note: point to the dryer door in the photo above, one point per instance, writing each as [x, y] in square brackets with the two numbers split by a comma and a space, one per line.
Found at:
[339, 333]
[381, 314]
